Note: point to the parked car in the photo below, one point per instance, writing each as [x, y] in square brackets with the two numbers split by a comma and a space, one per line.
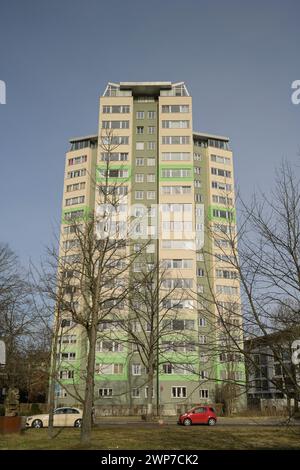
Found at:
[200, 414]
[65, 416]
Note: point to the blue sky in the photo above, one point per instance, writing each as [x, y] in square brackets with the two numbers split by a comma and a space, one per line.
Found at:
[237, 58]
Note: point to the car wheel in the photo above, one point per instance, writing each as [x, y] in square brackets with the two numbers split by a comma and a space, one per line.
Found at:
[187, 422]
[211, 422]
[37, 423]
[77, 423]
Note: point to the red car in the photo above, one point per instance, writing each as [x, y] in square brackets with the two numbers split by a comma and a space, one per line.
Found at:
[201, 414]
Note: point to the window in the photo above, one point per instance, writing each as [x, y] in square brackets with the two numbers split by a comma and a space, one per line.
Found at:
[219, 159]
[222, 186]
[175, 108]
[61, 393]
[75, 187]
[223, 214]
[178, 244]
[203, 374]
[113, 173]
[81, 144]
[74, 200]
[151, 178]
[115, 140]
[178, 263]
[109, 346]
[76, 173]
[222, 200]
[228, 290]
[176, 189]
[197, 157]
[69, 339]
[139, 177]
[150, 161]
[109, 369]
[177, 283]
[139, 194]
[114, 157]
[176, 124]
[77, 160]
[221, 172]
[177, 173]
[120, 190]
[74, 215]
[176, 156]
[151, 195]
[178, 392]
[66, 374]
[136, 369]
[200, 272]
[135, 393]
[175, 140]
[203, 393]
[147, 391]
[125, 109]
[202, 339]
[168, 369]
[151, 145]
[177, 226]
[151, 129]
[140, 130]
[226, 274]
[140, 114]
[68, 356]
[151, 114]
[220, 144]
[202, 322]
[203, 357]
[139, 145]
[105, 392]
[179, 325]
[115, 124]
[139, 161]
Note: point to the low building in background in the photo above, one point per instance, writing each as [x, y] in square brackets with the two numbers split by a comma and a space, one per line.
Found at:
[272, 378]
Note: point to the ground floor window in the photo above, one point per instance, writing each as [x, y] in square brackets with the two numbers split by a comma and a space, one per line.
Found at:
[178, 392]
[105, 392]
[135, 393]
[203, 393]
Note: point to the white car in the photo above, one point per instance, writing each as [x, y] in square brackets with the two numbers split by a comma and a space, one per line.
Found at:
[66, 416]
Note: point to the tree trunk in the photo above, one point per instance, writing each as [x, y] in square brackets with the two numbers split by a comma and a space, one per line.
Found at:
[296, 402]
[86, 426]
[149, 413]
[53, 374]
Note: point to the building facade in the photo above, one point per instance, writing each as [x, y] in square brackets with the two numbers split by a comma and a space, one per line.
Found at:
[160, 161]
[272, 379]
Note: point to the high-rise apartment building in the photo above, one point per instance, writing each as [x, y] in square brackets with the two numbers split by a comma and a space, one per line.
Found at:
[160, 160]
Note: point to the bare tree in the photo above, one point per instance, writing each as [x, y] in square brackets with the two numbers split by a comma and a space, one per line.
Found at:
[92, 268]
[263, 255]
[154, 301]
[17, 318]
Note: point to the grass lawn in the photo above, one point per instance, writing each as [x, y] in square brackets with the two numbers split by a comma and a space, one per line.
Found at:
[165, 437]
